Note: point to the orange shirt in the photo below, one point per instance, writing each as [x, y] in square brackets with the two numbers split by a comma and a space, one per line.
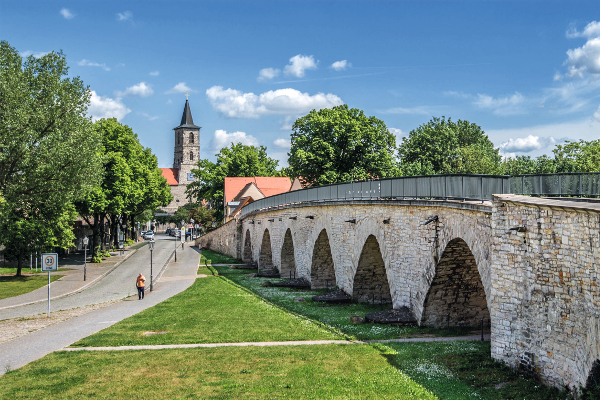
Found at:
[141, 281]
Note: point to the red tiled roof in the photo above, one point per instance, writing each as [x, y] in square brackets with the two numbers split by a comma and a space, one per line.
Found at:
[171, 175]
[269, 186]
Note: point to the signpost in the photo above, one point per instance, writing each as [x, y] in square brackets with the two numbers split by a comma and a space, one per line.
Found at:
[182, 236]
[49, 263]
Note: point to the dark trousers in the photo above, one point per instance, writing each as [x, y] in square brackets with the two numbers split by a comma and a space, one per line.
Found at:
[141, 292]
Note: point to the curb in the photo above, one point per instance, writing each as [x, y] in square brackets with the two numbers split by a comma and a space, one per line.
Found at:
[76, 290]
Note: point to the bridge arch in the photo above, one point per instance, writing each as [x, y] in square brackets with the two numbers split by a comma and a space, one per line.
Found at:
[247, 250]
[265, 256]
[456, 289]
[288, 256]
[322, 267]
[371, 283]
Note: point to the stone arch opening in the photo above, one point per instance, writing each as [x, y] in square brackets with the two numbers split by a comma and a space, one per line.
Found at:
[322, 271]
[456, 290]
[370, 281]
[265, 258]
[247, 254]
[288, 262]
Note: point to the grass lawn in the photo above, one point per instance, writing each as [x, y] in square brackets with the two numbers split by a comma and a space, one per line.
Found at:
[465, 370]
[300, 372]
[338, 317]
[212, 257]
[13, 271]
[16, 285]
[212, 310]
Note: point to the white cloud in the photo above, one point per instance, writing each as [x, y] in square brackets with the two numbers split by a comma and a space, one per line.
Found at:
[288, 122]
[586, 129]
[169, 101]
[142, 89]
[181, 87]
[67, 14]
[266, 74]
[282, 143]
[501, 105]
[236, 104]
[298, 64]
[591, 30]
[597, 114]
[150, 117]
[527, 144]
[38, 54]
[420, 110]
[125, 16]
[584, 60]
[105, 107]
[223, 139]
[396, 132]
[154, 73]
[88, 63]
[340, 65]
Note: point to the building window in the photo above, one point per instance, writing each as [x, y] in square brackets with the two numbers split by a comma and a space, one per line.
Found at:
[191, 156]
[191, 137]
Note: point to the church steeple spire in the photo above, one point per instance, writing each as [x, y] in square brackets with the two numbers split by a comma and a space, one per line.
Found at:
[186, 119]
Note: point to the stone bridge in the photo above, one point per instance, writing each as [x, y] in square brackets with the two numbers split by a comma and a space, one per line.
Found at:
[527, 266]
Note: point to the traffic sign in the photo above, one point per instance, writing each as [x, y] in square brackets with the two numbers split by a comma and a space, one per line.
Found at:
[49, 262]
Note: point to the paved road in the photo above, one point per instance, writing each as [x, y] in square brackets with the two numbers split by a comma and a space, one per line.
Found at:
[177, 277]
[118, 284]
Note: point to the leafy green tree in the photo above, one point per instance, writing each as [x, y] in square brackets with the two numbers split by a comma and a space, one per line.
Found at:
[581, 156]
[522, 165]
[48, 151]
[132, 183]
[443, 146]
[341, 144]
[235, 161]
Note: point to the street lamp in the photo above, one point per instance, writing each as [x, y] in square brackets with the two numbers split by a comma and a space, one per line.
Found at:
[182, 233]
[151, 248]
[86, 240]
[192, 222]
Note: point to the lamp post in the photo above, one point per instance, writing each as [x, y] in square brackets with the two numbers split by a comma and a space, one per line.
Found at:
[192, 222]
[151, 248]
[86, 240]
[175, 237]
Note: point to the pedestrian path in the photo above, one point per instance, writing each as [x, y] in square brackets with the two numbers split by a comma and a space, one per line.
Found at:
[289, 343]
[116, 284]
[22, 350]
[72, 282]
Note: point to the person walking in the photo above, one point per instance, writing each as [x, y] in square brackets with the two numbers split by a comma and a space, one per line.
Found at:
[140, 283]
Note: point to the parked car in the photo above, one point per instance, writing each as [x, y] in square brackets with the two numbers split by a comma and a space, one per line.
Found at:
[148, 235]
[168, 231]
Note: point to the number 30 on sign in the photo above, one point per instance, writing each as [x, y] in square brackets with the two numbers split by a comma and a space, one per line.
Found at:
[49, 261]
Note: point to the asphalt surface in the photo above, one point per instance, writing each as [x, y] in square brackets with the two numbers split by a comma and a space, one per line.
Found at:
[120, 283]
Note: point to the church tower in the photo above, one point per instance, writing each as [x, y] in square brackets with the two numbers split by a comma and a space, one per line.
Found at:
[187, 146]
[186, 156]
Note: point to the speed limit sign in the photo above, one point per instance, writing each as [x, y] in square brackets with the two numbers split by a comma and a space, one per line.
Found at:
[49, 262]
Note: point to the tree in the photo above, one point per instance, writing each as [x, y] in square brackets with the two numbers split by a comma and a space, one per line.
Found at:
[581, 156]
[49, 151]
[444, 146]
[341, 144]
[237, 160]
[132, 183]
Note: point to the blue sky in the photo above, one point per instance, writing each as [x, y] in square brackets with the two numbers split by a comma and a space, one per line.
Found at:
[527, 72]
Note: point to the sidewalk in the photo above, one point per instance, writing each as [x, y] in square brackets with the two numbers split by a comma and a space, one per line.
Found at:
[71, 282]
[22, 350]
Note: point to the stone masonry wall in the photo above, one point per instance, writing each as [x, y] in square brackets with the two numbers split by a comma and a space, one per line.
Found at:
[456, 290]
[225, 239]
[410, 250]
[545, 298]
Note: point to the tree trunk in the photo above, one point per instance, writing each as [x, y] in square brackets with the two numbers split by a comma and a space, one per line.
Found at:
[20, 261]
[94, 242]
[102, 222]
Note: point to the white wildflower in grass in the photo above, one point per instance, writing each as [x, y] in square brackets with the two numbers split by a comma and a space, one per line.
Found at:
[429, 369]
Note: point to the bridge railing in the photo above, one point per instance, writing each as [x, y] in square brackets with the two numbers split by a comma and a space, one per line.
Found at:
[467, 187]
